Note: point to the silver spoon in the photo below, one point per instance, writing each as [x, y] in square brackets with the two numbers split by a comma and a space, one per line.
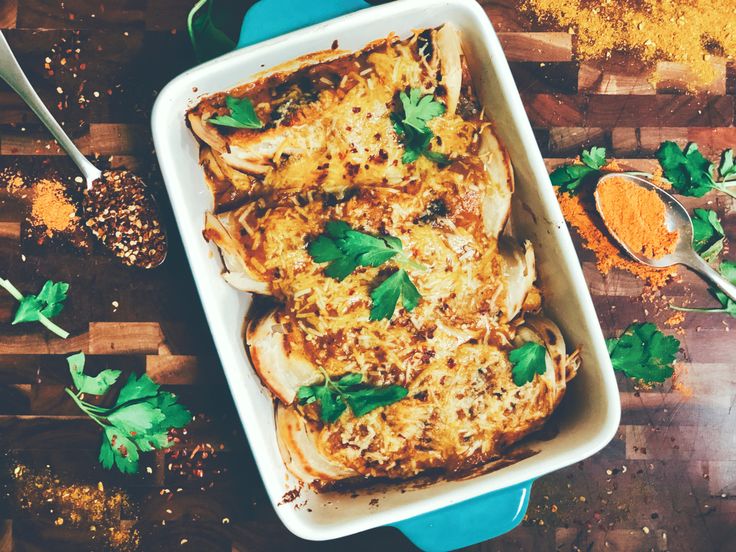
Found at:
[676, 219]
[11, 72]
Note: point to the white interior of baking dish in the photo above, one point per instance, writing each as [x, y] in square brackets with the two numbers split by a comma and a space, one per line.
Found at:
[589, 414]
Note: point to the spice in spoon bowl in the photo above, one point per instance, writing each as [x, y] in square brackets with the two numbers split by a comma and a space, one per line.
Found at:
[123, 215]
[636, 216]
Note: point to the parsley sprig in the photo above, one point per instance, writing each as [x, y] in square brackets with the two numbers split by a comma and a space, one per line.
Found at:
[139, 421]
[334, 397]
[345, 249]
[691, 174]
[242, 114]
[644, 353]
[48, 303]
[412, 128]
[527, 361]
[708, 234]
[569, 177]
[727, 305]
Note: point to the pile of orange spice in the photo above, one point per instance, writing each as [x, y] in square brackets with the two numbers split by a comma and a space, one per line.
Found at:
[51, 207]
[580, 212]
[691, 32]
[636, 216]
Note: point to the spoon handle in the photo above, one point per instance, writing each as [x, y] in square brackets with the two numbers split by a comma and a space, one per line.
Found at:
[11, 72]
[697, 263]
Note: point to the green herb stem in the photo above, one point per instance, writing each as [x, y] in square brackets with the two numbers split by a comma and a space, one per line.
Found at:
[11, 289]
[84, 407]
[52, 327]
[692, 309]
[720, 186]
[405, 260]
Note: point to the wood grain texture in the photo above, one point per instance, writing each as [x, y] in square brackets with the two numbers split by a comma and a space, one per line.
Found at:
[667, 482]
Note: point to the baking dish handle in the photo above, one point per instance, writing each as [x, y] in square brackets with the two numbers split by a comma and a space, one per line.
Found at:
[271, 18]
[470, 522]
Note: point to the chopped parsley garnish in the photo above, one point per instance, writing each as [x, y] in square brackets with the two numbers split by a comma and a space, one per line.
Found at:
[139, 421]
[48, 303]
[569, 177]
[346, 249]
[412, 128]
[708, 234]
[335, 396]
[528, 361]
[242, 114]
[691, 174]
[728, 306]
[644, 353]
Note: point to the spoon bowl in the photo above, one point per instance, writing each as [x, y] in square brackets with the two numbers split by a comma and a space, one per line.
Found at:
[677, 219]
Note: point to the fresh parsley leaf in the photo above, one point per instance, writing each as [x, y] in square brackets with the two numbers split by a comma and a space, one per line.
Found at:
[49, 302]
[362, 401]
[97, 385]
[346, 249]
[242, 114]
[140, 419]
[331, 404]
[335, 396]
[690, 173]
[118, 450]
[42, 307]
[644, 353]
[570, 177]
[727, 168]
[136, 417]
[418, 109]
[387, 294]
[708, 234]
[595, 157]
[136, 387]
[527, 361]
[412, 129]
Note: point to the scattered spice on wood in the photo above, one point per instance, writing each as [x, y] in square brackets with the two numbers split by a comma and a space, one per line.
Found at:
[691, 33]
[636, 216]
[123, 216]
[102, 511]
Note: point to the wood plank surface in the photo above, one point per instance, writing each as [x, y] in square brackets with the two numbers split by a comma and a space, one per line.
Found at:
[667, 482]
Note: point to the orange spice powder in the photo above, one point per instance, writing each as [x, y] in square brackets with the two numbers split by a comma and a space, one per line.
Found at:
[636, 216]
[100, 511]
[51, 207]
[692, 33]
[580, 213]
